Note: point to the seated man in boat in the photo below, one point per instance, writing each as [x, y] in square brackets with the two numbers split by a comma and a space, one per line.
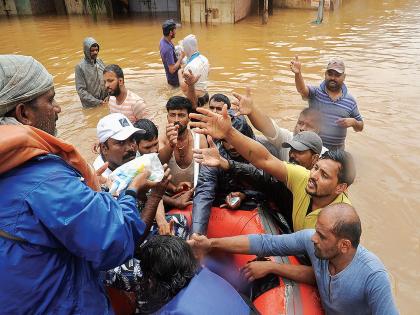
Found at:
[174, 283]
[149, 143]
[176, 146]
[351, 280]
[121, 99]
[57, 230]
[309, 120]
[305, 149]
[324, 184]
[198, 66]
[216, 187]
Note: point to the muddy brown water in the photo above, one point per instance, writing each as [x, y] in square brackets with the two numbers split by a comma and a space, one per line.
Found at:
[380, 43]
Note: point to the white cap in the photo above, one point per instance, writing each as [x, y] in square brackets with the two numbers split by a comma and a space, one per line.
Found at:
[116, 126]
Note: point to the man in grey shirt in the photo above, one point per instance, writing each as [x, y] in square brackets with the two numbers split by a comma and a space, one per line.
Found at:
[89, 75]
[350, 279]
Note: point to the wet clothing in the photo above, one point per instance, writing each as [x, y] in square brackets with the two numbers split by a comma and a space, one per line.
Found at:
[332, 135]
[297, 180]
[167, 53]
[363, 287]
[133, 107]
[67, 232]
[22, 79]
[89, 77]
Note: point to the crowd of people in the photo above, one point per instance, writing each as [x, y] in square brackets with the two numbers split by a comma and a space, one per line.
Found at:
[65, 238]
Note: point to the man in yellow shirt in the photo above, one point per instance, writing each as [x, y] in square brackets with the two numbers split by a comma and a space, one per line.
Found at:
[326, 183]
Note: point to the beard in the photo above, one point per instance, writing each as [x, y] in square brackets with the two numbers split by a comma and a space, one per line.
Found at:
[181, 128]
[116, 92]
[333, 85]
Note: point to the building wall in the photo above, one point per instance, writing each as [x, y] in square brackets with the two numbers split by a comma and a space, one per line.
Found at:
[219, 11]
[242, 9]
[153, 5]
[7, 7]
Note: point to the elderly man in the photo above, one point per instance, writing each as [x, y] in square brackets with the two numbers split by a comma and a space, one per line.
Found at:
[350, 279]
[57, 231]
[89, 77]
[338, 108]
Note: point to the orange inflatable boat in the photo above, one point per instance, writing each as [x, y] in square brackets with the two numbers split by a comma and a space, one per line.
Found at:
[287, 297]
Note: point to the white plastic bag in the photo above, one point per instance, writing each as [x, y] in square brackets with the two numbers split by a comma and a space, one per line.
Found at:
[123, 175]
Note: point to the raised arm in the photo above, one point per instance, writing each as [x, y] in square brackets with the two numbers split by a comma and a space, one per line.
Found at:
[220, 127]
[259, 120]
[301, 87]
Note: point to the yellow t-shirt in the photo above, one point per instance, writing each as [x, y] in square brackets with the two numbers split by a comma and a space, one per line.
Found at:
[297, 179]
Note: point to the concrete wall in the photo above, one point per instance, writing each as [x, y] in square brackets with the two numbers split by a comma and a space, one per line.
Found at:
[219, 11]
[242, 9]
[306, 4]
[7, 7]
[153, 5]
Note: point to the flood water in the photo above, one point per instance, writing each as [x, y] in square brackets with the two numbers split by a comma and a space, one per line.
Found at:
[380, 43]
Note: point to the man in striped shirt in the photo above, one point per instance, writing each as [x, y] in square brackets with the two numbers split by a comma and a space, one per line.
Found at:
[121, 99]
[338, 108]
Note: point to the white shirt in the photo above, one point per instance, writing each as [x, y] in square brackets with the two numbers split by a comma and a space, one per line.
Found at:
[199, 66]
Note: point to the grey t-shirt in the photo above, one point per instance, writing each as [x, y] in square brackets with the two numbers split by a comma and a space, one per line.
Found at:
[361, 288]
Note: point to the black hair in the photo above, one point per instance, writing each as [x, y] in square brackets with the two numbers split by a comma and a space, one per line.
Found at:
[221, 98]
[348, 227]
[347, 170]
[116, 69]
[179, 102]
[168, 264]
[148, 126]
[168, 26]
[94, 45]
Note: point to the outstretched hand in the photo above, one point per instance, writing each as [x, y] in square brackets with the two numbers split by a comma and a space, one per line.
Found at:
[210, 123]
[208, 156]
[200, 245]
[295, 65]
[189, 78]
[243, 104]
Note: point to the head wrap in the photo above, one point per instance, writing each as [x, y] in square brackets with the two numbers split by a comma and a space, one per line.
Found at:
[189, 45]
[22, 79]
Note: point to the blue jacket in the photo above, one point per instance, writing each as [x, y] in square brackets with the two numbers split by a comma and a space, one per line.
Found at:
[72, 233]
[206, 294]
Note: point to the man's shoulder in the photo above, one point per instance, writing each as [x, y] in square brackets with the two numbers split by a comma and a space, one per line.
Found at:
[369, 260]
[131, 96]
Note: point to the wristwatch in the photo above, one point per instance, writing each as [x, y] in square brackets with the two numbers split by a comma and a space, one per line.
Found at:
[131, 192]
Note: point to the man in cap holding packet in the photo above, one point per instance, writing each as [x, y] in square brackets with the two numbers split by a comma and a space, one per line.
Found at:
[338, 108]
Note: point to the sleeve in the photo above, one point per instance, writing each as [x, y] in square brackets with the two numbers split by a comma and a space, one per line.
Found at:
[355, 112]
[168, 56]
[92, 225]
[296, 176]
[379, 294]
[312, 92]
[282, 135]
[141, 110]
[87, 99]
[280, 245]
[205, 192]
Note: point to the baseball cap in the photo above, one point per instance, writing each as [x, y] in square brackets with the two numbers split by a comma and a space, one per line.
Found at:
[336, 64]
[116, 126]
[305, 140]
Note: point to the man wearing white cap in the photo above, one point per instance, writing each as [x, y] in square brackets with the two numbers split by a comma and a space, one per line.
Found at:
[338, 108]
[116, 142]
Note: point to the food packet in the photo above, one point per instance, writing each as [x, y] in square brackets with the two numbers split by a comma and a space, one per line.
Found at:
[123, 175]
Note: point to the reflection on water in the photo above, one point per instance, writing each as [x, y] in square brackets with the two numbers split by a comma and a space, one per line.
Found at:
[380, 44]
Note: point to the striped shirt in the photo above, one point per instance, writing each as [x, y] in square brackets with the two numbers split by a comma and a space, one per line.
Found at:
[332, 134]
[133, 107]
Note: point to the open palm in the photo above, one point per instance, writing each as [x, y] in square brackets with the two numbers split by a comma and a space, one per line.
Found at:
[208, 156]
[210, 123]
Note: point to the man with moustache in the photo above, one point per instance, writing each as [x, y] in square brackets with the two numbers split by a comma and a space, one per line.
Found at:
[57, 230]
[338, 108]
[350, 279]
[324, 184]
[121, 99]
[88, 75]
[167, 53]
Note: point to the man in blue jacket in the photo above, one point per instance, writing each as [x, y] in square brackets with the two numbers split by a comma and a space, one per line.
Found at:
[56, 232]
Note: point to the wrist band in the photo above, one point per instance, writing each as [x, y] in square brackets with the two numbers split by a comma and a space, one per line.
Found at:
[131, 192]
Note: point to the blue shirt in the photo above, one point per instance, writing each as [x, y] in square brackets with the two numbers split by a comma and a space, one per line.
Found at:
[333, 135]
[71, 233]
[361, 288]
[167, 53]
